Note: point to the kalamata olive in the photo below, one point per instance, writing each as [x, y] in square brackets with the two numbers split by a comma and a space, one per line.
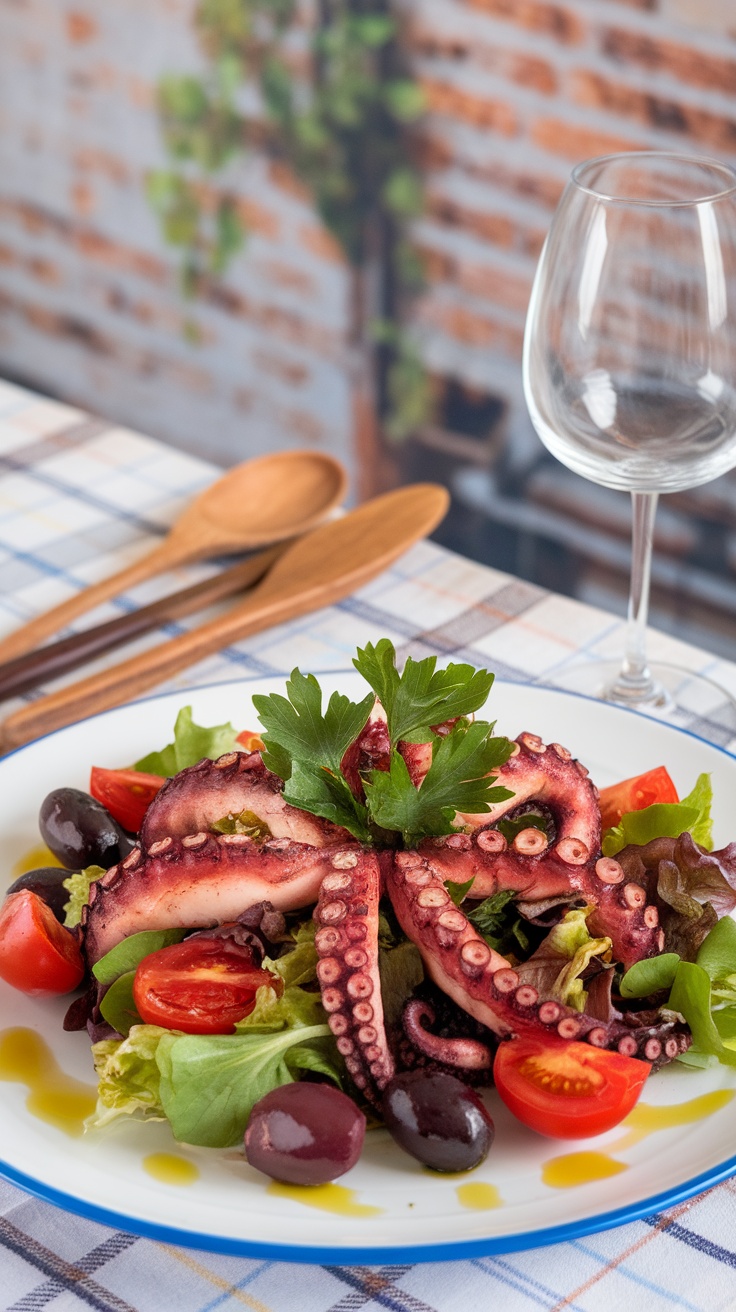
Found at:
[437, 1119]
[304, 1134]
[48, 884]
[80, 832]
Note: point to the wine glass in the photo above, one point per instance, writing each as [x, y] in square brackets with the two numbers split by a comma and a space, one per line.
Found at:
[630, 355]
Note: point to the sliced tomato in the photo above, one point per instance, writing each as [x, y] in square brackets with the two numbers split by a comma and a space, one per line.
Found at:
[201, 986]
[634, 794]
[37, 954]
[567, 1090]
[127, 794]
[250, 740]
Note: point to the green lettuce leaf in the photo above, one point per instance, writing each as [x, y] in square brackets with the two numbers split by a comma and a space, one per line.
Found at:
[78, 886]
[192, 742]
[128, 954]
[665, 820]
[210, 1082]
[497, 919]
[717, 955]
[650, 975]
[247, 822]
[458, 892]
[691, 997]
[402, 971]
[554, 969]
[118, 1007]
[299, 965]
[128, 1077]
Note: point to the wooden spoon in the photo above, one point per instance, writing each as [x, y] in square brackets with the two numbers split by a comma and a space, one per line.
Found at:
[253, 505]
[327, 564]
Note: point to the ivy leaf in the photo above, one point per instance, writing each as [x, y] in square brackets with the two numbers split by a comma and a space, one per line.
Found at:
[459, 779]
[405, 99]
[422, 695]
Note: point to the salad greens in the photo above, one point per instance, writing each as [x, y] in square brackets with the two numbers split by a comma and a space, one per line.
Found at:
[77, 886]
[665, 820]
[305, 747]
[206, 1084]
[703, 992]
[191, 744]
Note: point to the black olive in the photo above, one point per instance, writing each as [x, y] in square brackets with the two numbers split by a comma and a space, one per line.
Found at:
[47, 883]
[80, 832]
[437, 1119]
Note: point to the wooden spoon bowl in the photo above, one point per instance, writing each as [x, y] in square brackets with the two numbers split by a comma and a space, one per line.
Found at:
[254, 504]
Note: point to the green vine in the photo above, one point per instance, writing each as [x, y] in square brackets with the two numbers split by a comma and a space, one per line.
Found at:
[344, 126]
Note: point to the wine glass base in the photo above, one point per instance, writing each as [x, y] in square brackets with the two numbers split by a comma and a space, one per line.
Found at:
[678, 694]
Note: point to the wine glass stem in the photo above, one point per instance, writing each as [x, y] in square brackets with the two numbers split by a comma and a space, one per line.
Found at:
[635, 682]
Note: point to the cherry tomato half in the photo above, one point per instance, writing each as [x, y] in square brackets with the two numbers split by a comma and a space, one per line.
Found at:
[250, 740]
[201, 986]
[567, 1090]
[127, 794]
[634, 794]
[37, 954]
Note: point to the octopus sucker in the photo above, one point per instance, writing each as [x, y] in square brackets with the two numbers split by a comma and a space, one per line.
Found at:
[196, 798]
[492, 991]
[195, 888]
[184, 875]
[348, 963]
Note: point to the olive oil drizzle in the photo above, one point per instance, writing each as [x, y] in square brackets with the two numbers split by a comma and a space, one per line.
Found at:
[571, 1169]
[171, 1168]
[327, 1197]
[36, 858]
[53, 1096]
[478, 1196]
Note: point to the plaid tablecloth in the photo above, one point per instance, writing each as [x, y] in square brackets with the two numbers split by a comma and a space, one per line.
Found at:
[79, 497]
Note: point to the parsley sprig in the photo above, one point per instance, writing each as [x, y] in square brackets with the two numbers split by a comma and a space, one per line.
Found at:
[305, 747]
[421, 696]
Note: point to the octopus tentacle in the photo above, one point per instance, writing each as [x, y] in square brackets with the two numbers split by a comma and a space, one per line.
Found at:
[621, 910]
[469, 1054]
[194, 799]
[483, 983]
[347, 943]
[196, 882]
[550, 775]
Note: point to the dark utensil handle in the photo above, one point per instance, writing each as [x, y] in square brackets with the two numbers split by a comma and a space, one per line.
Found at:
[26, 672]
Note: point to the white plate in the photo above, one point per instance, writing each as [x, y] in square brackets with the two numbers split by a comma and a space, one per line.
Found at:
[418, 1215]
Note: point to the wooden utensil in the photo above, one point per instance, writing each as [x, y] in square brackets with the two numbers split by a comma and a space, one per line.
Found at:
[259, 502]
[327, 564]
[56, 658]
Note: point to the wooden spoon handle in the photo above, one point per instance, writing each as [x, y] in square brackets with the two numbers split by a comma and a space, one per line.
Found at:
[33, 633]
[133, 677]
[321, 568]
[57, 658]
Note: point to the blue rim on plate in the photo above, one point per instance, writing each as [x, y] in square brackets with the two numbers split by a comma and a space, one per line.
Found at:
[449, 1252]
[432, 1251]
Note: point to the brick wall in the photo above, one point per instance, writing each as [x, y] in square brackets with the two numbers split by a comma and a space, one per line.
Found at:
[518, 90]
[89, 300]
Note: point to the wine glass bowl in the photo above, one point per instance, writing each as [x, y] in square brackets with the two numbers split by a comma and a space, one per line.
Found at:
[630, 345]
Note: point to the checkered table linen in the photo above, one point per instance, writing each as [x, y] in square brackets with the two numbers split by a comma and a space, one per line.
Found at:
[80, 497]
